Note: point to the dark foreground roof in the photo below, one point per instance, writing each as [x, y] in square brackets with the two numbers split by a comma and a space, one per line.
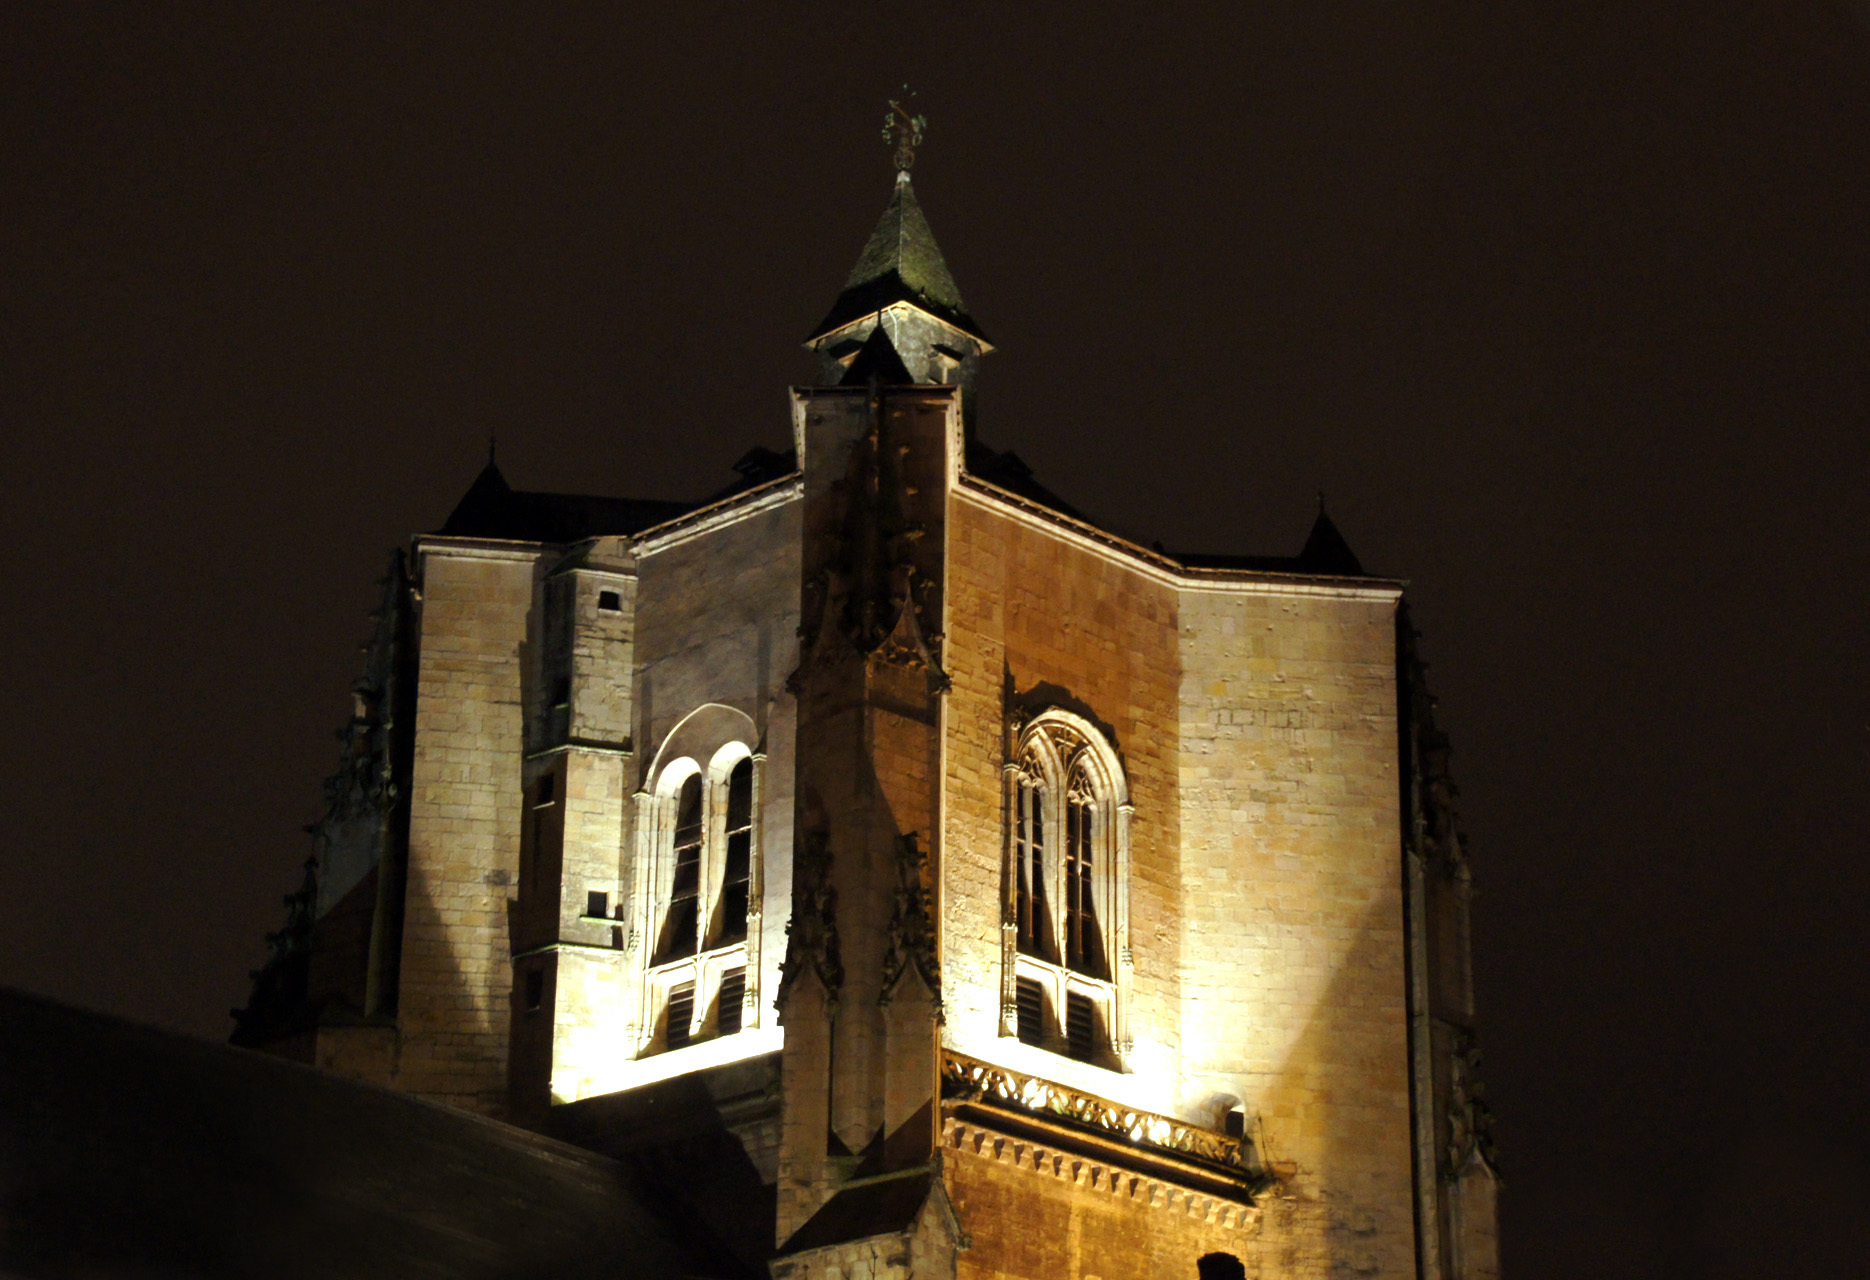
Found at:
[128, 1151]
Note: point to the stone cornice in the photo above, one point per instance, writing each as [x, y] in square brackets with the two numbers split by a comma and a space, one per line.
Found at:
[739, 506]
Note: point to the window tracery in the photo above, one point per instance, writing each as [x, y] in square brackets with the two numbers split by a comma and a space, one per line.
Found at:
[1066, 914]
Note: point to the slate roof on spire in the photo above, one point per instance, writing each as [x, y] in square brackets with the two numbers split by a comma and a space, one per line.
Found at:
[900, 263]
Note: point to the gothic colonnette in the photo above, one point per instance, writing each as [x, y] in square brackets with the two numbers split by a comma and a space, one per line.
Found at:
[914, 877]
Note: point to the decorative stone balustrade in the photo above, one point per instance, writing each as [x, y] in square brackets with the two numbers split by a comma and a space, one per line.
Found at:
[972, 1080]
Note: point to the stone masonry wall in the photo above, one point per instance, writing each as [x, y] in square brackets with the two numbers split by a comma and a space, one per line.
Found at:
[1035, 1213]
[1258, 733]
[464, 827]
[1292, 914]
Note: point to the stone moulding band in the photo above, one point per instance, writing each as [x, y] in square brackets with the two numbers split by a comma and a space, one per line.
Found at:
[971, 1080]
[1165, 568]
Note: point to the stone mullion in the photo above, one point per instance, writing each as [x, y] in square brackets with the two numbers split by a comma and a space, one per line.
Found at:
[713, 862]
[756, 895]
[1009, 902]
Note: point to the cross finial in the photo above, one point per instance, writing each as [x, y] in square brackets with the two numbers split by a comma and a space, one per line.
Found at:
[903, 130]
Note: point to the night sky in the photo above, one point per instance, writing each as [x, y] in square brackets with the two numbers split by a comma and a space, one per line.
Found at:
[1565, 307]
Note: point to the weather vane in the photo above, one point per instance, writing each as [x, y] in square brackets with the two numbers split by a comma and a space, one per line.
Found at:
[903, 131]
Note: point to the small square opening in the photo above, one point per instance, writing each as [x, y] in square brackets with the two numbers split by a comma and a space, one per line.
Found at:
[597, 904]
[610, 601]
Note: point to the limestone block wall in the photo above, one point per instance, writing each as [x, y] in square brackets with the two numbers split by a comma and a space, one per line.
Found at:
[586, 1009]
[717, 621]
[1041, 620]
[1292, 920]
[603, 648]
[600, 665]
[456, 974]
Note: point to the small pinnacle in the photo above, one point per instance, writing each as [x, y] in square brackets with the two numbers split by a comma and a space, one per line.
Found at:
[493, 447]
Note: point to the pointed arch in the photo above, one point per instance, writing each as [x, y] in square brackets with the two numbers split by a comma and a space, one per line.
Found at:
[1065, 927]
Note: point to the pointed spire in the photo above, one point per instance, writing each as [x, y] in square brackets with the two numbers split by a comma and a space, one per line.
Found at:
[900, 263]
[486, 505]
[1326, 551]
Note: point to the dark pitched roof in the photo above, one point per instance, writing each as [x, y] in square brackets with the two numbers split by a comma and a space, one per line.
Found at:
[493, 509]
[1326, 554]
[1326, 551]
[129, 1151]
[882, 1207]
[900, 263]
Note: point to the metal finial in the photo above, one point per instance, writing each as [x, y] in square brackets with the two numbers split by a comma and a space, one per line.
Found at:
[903, 130]
[493, 448]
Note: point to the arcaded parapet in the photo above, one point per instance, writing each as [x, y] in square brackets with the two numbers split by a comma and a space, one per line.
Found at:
[464, 823]
[1292, 917]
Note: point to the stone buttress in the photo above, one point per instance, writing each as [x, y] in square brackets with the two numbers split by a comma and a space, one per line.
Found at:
[860, 994]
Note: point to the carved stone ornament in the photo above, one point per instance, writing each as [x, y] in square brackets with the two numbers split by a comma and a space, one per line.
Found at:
[364, 785]
[975, 1081]
[812, 932]
[912, 925]
[1440, 841]
[1470, 1122]
[865, 601]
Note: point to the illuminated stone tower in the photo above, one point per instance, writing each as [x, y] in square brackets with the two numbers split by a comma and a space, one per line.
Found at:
[912, 877]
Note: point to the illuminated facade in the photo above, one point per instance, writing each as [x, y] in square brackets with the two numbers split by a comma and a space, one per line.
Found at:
[927, 881]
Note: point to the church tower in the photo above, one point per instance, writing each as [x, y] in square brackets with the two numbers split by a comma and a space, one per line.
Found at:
[907, 875]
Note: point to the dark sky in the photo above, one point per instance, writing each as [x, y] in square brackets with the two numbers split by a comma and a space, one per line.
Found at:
[1564, 305]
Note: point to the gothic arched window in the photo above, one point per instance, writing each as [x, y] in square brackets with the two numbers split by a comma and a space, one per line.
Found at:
[683, 912]
[1066, 914]
[698, 884]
